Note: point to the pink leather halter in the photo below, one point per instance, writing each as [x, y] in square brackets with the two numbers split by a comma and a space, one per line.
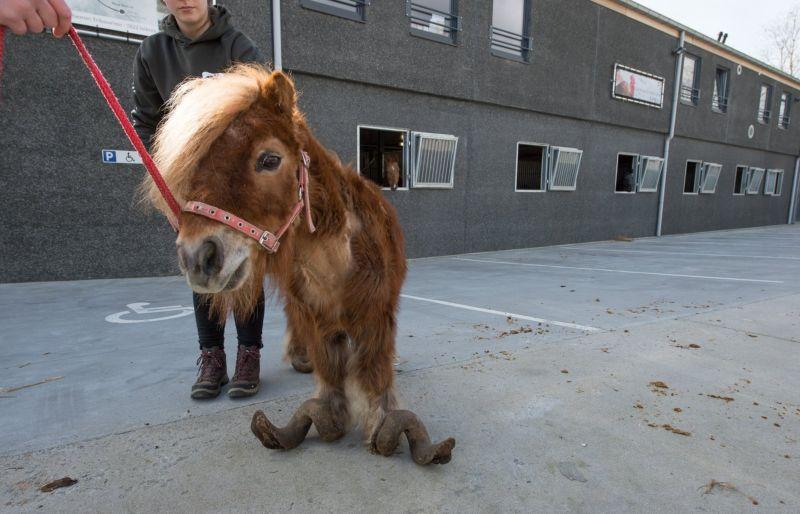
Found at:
[269, 241]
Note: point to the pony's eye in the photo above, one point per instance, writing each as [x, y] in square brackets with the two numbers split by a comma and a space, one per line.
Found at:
[268, 162]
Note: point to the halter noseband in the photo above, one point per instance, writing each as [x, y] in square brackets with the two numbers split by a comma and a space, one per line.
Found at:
[269, 241]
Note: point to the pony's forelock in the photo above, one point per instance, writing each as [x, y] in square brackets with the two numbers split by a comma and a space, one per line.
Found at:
[199, 111]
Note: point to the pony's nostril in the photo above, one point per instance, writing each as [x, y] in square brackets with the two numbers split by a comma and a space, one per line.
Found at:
[185, 258]
[210, 257]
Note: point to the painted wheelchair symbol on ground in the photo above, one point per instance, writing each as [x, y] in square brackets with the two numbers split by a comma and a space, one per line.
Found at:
[140, 313]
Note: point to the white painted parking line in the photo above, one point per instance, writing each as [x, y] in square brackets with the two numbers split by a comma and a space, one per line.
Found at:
[504, 314]
[676, 275]
[733, 243]
[590, 249]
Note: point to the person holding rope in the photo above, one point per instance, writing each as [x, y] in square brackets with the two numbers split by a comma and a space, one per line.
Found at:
[198, 39]
[23, 16]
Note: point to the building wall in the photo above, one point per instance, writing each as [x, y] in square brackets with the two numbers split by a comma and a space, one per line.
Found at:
[71, 217]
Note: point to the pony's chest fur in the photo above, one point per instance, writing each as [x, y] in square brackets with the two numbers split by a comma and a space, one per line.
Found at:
[322, 269]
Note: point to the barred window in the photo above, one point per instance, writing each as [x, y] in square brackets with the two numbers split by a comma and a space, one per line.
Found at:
[565, 163]
[764, 104]
[710, 179]
[434, 159]
[773, 185]
[754, 183]
[783, 110]
[690, 80]
[350, 9]
[434, 19]
[719, 102]
[509, 31]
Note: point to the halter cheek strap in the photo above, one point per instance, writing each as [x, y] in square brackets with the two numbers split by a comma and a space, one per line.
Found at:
[269, 241]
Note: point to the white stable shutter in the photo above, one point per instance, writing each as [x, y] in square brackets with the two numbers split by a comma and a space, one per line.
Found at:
[650, 173]
[565, 163]
[711, 172]
[754, 184]
[434, 159]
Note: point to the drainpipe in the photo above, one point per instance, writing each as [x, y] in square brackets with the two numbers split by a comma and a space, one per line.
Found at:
[277, 60]
[795, 192]
[673, 116]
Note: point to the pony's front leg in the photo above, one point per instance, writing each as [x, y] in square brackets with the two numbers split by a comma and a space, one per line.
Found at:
[328, 412]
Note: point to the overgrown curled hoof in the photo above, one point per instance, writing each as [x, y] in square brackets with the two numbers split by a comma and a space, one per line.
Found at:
[302, 364]
[264, 430]
[396, 422]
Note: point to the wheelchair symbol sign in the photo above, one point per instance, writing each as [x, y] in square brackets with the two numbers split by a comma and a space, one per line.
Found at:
[121, 157]
[140, 313]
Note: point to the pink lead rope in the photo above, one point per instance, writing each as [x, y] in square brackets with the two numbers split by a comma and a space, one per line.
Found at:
[265, 238]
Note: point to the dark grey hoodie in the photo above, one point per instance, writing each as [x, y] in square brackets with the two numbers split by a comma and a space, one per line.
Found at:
[166, 58]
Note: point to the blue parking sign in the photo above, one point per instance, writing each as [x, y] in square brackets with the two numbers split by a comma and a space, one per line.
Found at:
[109, 156]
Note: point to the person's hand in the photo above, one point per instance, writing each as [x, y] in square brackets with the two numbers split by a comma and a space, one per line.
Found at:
[23, 16]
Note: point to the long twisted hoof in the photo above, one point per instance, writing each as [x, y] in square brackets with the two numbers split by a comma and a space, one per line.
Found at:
[396, 422]
[311, 411]
[302, 364]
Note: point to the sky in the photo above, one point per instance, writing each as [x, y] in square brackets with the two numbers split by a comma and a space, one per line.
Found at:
[743, 20]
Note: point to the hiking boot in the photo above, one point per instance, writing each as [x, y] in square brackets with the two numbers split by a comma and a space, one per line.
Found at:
[212, 375]
[248, 368]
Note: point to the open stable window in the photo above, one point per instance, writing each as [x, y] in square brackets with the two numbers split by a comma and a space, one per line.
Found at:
[627, 166]
[565, 163]
[783, 110]
[710, 178]
[350, 9]
[434, 158]
[531, 167]
[509, 32]
[650, 169]
[690, 80]
[382, 156]
[764, 103]
[719, 102]
[773, 185]
[434, 19]
[754, 183]
[740, 182]
[691, 180]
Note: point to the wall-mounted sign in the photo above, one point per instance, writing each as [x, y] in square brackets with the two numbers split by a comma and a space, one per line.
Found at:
[137, 17]
[121, 157]
[637, 86]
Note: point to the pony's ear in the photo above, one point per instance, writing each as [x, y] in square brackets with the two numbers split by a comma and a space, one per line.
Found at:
[280, 93]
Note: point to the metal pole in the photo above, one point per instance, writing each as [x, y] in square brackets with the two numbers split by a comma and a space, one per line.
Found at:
[795, 192]
[673, 116]
[277, 60]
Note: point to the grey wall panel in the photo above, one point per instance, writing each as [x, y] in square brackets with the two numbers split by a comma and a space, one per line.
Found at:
[722, 210]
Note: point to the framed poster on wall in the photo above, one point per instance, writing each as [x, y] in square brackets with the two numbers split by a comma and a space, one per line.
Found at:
[135, 19]
[632, 85]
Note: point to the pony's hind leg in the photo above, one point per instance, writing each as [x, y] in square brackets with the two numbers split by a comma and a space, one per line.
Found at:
[328, 412]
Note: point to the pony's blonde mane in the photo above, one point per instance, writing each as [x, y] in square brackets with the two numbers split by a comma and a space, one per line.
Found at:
[199, 111]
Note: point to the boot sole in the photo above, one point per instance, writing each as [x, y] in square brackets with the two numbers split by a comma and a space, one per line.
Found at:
[207, 393]
[240, 392]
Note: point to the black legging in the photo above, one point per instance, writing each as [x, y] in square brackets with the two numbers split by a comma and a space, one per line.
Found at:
[212, 333]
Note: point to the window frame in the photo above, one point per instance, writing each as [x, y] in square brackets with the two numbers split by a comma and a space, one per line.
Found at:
[545, 167]
[359, 16]
[552, 170]
[777, 187]
[697, 176]
[763, 116]
[455, 25]
[785, 118]
[715, 96]
[745, 179]
[641, 173]
[405, 170]
[760, 181]
[413, 159]
[635, 173]
[526, 43]
[694, 93]
[704, 178]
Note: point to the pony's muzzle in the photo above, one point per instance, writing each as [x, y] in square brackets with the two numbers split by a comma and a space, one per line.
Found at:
[201, 263]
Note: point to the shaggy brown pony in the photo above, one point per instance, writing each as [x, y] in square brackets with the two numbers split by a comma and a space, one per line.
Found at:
[234, 141]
